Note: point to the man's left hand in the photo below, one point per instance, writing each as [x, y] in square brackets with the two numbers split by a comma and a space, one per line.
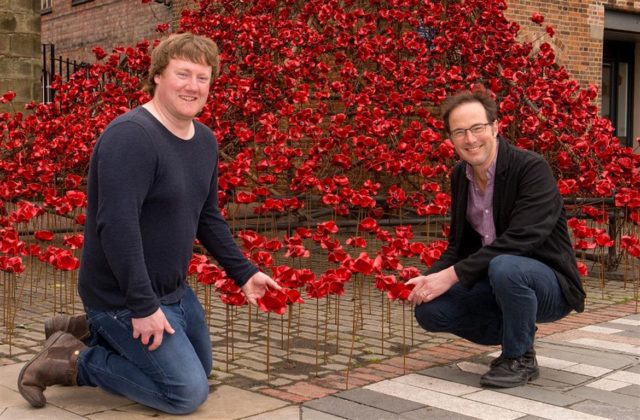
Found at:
[428, 288]
[257, 285]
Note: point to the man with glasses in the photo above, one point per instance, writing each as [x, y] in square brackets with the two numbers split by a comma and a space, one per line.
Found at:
[509, 263]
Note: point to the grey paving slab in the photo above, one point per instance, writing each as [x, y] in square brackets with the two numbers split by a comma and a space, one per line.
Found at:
[541, 394]
[584, 355]
[631, 334]
[602, 409]
[606, 397]
[291, 412]
[378, 400]
[634, 369]
[563, 376]
[349, 409]
[434, 413]
[452, 373]
[307, 413]
[632, 390]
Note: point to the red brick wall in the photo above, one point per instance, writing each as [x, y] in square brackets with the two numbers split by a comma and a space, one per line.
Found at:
[579, 26]
[75, 30]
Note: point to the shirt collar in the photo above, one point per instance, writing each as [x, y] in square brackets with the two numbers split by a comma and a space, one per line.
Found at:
[491, 171]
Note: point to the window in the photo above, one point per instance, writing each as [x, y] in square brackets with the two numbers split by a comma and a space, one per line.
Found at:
[77, 2]
[45, 6]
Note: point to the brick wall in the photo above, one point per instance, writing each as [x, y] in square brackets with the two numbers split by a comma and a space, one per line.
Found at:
[20, 51]
[75, 30]
[579, 27]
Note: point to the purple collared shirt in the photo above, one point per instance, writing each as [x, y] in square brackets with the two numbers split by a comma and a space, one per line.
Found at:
[480, 205]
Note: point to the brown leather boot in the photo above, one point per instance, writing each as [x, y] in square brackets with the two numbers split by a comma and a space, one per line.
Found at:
[56, 364]
[75, 325]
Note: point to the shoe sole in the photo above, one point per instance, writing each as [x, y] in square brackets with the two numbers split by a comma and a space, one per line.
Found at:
[36, 403]
[535, 375]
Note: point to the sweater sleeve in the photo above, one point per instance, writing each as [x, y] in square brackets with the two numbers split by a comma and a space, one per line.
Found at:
[214, 233]
[126, 162]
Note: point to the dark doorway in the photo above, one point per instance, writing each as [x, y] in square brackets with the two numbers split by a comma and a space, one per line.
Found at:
[617, 87]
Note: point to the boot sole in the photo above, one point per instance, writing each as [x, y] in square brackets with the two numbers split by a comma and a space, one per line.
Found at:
[25, 395]
[497, 384]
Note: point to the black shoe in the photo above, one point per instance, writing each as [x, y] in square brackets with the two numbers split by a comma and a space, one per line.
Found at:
[529, 359]
[509, 373]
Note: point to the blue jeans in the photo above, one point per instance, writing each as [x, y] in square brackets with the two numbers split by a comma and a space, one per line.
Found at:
[502, 309]
[172, 378]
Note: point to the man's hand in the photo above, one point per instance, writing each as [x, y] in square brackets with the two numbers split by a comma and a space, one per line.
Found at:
[154, 326]
[428, 288]
[257, 285]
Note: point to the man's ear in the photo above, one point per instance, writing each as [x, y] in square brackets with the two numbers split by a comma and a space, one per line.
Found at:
[494, 128]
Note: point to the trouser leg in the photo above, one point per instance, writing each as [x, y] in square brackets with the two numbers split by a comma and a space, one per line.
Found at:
[472, 314]
[172, 378]
[526, 291]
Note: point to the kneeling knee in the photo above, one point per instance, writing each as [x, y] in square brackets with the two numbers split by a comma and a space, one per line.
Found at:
[431, 319]
[190, 397]
[502, 268]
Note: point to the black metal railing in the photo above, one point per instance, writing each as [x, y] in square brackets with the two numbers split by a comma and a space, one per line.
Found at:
[52, 66]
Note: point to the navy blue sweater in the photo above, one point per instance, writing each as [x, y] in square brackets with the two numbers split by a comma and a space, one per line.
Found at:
[150, 194]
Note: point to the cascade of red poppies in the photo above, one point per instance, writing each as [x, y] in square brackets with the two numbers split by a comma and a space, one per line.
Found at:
[333, 161]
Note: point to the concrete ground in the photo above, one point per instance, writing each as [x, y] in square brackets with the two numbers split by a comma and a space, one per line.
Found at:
[311, 366]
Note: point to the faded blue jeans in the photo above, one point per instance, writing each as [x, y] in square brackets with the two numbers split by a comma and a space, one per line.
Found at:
[172, 378]
[502, 309]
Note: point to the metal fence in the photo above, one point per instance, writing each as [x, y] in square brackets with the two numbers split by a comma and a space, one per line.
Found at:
[52, 66]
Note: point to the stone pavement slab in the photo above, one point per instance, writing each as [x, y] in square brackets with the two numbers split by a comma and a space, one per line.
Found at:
[577, 381]
[378, 400]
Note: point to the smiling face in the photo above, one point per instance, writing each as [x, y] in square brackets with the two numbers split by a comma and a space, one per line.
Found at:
[181, 89]
[478, 150]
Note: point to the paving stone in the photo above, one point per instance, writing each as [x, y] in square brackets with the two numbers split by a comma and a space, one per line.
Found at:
[378, 400]
[453, 374]
[608, 345]
[609, 411]
[587, 370]
[84, 400]
[584, 355]
[606, 384]
[528, 406]
[435, 413]
[251, 374]
[600, 329]
[9, 398]
[291, 412]
[26, 412]
[606, 397]
[436, 384]
[9, 376]
[311, 414]
[543, 395]
[563, 377]
[349, 409]
[445, 402]
[632, 390]
[625, 376]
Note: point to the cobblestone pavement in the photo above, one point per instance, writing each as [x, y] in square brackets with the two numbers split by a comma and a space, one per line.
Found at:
[309, 364]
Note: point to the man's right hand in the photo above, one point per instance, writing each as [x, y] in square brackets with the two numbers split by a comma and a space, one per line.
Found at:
[154, 326]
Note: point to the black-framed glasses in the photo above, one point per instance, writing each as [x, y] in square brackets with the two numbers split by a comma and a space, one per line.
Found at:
[476, 130]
